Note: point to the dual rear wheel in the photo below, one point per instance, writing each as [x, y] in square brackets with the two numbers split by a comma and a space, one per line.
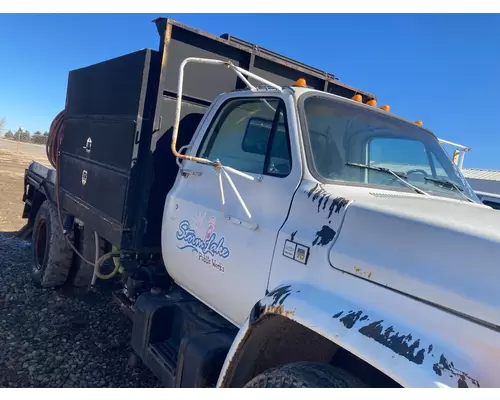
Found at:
[54, 262]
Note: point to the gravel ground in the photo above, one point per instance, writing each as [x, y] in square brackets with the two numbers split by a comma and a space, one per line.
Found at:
[51, 339]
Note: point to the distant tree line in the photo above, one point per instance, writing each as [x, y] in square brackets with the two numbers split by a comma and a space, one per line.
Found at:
[23, 135]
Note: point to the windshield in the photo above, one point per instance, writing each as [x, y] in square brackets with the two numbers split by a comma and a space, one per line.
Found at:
[347, 143]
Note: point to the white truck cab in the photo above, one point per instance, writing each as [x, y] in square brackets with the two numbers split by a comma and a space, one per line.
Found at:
[346, 219]
[296, 238]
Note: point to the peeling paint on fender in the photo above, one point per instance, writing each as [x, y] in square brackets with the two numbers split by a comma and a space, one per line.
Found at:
[398, 343]
[280, 294]
[317, 192]
[280, 310]
[324, 236]
[351, 318]
[445, 366]
[403, 345]
[337, 204]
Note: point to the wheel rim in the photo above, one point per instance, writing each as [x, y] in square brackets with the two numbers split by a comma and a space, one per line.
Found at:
[40, 245]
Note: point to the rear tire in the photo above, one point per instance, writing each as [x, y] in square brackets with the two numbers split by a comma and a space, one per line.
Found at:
[52, 255]
[82, 273]
[305, 375]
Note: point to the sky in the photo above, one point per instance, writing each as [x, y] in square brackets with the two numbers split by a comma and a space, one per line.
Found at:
[442, 69]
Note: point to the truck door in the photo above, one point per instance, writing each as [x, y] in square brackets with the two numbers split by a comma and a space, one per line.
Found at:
[217, 253]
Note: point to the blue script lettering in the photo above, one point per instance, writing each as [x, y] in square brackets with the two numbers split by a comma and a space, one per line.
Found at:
[210, 246]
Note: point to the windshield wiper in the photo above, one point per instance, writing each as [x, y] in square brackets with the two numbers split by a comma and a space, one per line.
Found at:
[444, 182]
[449, 184]
[399, 175]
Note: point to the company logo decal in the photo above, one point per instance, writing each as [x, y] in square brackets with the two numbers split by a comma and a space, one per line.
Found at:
[210, 244]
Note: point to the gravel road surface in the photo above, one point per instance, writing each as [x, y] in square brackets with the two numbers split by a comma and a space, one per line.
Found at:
[51, 339]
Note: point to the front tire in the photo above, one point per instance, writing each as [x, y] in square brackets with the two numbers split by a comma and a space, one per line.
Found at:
[305, 375]
[52, 255]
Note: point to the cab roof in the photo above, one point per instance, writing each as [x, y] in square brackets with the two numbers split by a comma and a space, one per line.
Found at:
[299, 91]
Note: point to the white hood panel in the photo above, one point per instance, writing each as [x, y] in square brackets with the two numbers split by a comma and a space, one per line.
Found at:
[444, 252]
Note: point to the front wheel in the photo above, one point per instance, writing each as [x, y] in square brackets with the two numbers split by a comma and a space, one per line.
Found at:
[305, 375]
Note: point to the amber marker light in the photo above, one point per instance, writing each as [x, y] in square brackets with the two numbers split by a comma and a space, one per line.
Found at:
[301, 82]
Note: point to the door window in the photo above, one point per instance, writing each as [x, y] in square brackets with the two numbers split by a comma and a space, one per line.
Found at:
[250, 135]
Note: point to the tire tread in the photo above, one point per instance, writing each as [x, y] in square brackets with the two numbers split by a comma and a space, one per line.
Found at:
[305, 375]
[59, 253]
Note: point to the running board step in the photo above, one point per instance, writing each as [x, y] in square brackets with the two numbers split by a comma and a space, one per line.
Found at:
[161, 358]
[182, 341]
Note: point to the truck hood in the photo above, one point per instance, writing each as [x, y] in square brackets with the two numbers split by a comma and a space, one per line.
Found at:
[441, 251]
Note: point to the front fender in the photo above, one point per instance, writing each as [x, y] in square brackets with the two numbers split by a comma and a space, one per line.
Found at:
[409, 354]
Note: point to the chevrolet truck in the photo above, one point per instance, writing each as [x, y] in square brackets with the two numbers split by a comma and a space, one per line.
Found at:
[264, 224]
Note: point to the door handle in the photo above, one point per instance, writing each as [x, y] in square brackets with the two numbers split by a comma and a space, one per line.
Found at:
[186, 172]
[245, 224]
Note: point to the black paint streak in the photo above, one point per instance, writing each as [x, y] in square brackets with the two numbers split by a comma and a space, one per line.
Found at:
[320, 192]
[326, 201]
[400, 344]
[445, 365]
[317, 192]
[313, 189]
[337, 204]
[461, 383]
[256, 313]
[280, 294]
[320, 201]
[324, 236]
[351, 318]
[293, 235]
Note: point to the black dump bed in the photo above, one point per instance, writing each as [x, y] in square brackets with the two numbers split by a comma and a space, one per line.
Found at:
[116, 164]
